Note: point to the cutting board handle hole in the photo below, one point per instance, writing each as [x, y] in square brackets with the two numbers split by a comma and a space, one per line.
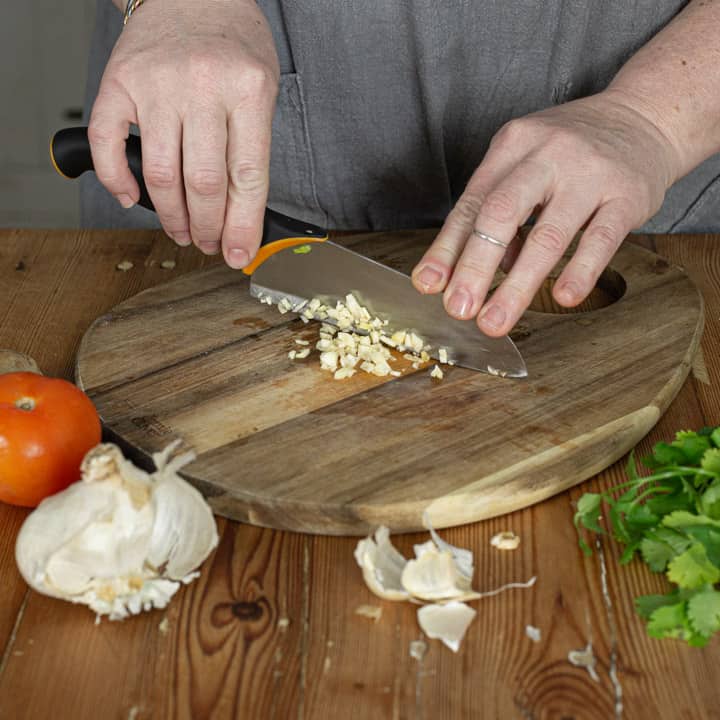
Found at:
[609, 289]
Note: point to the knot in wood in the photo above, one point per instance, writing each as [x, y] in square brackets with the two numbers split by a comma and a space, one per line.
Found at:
[247, 611]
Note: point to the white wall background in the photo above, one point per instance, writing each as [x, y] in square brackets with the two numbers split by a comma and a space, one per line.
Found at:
[44, 46]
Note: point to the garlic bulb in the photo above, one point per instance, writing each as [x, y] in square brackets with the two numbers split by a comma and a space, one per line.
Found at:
[120, 540]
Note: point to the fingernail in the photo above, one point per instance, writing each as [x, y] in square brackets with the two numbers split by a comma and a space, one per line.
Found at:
[182, 237]
[237, 258]
[429, 278]
[209, 248]
[493, 316]
[460, 303]
[125, 200]
[568, 292]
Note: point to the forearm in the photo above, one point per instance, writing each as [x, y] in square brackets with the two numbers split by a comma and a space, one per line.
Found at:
[675, 82]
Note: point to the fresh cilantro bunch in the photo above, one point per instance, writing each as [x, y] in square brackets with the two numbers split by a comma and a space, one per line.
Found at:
[672, 518]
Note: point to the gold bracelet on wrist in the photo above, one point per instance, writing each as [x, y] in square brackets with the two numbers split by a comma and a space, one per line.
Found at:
[130, 8]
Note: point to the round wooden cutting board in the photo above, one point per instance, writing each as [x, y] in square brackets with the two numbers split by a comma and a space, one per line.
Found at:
[280, 443]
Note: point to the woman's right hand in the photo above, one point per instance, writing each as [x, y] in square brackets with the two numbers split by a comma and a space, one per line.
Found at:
[200, 80]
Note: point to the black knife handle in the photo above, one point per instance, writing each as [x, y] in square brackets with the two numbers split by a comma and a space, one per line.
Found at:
[71, 157]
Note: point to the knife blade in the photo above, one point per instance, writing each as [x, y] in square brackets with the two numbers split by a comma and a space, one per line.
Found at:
[328, 271]
[296, 261]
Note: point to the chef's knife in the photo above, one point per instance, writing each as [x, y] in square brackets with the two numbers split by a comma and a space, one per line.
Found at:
[296, 261]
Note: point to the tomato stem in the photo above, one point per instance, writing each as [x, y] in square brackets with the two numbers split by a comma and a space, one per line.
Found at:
[25, 403]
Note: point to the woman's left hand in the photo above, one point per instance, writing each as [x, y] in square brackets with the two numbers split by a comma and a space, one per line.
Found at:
[599, 162]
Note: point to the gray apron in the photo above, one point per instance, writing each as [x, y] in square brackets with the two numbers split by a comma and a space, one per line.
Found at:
[386, 108]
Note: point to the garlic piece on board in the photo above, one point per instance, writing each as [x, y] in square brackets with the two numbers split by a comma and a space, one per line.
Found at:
[120, 540]
[382, 565]
[446, 622]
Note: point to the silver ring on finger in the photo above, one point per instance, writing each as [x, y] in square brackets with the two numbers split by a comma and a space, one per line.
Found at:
[490, 239]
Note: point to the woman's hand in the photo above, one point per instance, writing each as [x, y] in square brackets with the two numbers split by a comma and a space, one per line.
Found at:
[600, 161]
[200, 80]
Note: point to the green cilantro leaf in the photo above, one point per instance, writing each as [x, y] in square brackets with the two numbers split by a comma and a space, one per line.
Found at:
[588, 517]
[715, 436]
[703, 610]
[663, 455]
[710, 501]
[656, 553]
[668, 621]
[647, 604]
[711, 460]
[671, 621]
[682, 520]
[664, 503]
[692, 568]
[692, 445]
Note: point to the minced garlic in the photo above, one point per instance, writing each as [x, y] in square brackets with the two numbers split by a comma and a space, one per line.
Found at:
[351, 339]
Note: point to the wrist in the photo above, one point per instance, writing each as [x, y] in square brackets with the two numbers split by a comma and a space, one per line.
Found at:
[654, 121]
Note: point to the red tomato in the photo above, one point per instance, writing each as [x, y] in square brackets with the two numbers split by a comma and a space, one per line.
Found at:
[46, 427]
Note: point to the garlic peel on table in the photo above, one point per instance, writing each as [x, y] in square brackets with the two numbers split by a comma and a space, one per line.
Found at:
[382, 565]
[446, 622]
[439, 575]
[120, 540]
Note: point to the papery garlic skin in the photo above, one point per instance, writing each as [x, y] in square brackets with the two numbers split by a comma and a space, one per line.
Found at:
[447, 623]
[382, 565]
[120, 540]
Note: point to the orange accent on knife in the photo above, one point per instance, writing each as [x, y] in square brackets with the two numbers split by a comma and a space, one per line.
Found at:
[271, 248]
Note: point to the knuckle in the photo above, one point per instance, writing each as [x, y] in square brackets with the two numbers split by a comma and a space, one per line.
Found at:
[160, 173]
[466, 210]
[206, 183]
[100, 135]
[204, 65]
[256, 79]
[605, 238]
[501, 206]
[551, 239]
[247, 177]
[110, 177]
[517, 130]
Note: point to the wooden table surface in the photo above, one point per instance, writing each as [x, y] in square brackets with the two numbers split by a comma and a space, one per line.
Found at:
[270, 630]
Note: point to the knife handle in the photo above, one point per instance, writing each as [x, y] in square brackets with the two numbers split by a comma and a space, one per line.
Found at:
[71, 157]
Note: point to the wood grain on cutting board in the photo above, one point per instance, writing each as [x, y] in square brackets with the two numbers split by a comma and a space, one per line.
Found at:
[280, 443]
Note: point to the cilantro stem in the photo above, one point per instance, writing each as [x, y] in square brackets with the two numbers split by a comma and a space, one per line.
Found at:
[651, 491]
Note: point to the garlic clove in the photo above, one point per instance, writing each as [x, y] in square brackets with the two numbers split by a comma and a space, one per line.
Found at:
[184, 532]
[434, 575]
[382, 565]
[447, 622]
